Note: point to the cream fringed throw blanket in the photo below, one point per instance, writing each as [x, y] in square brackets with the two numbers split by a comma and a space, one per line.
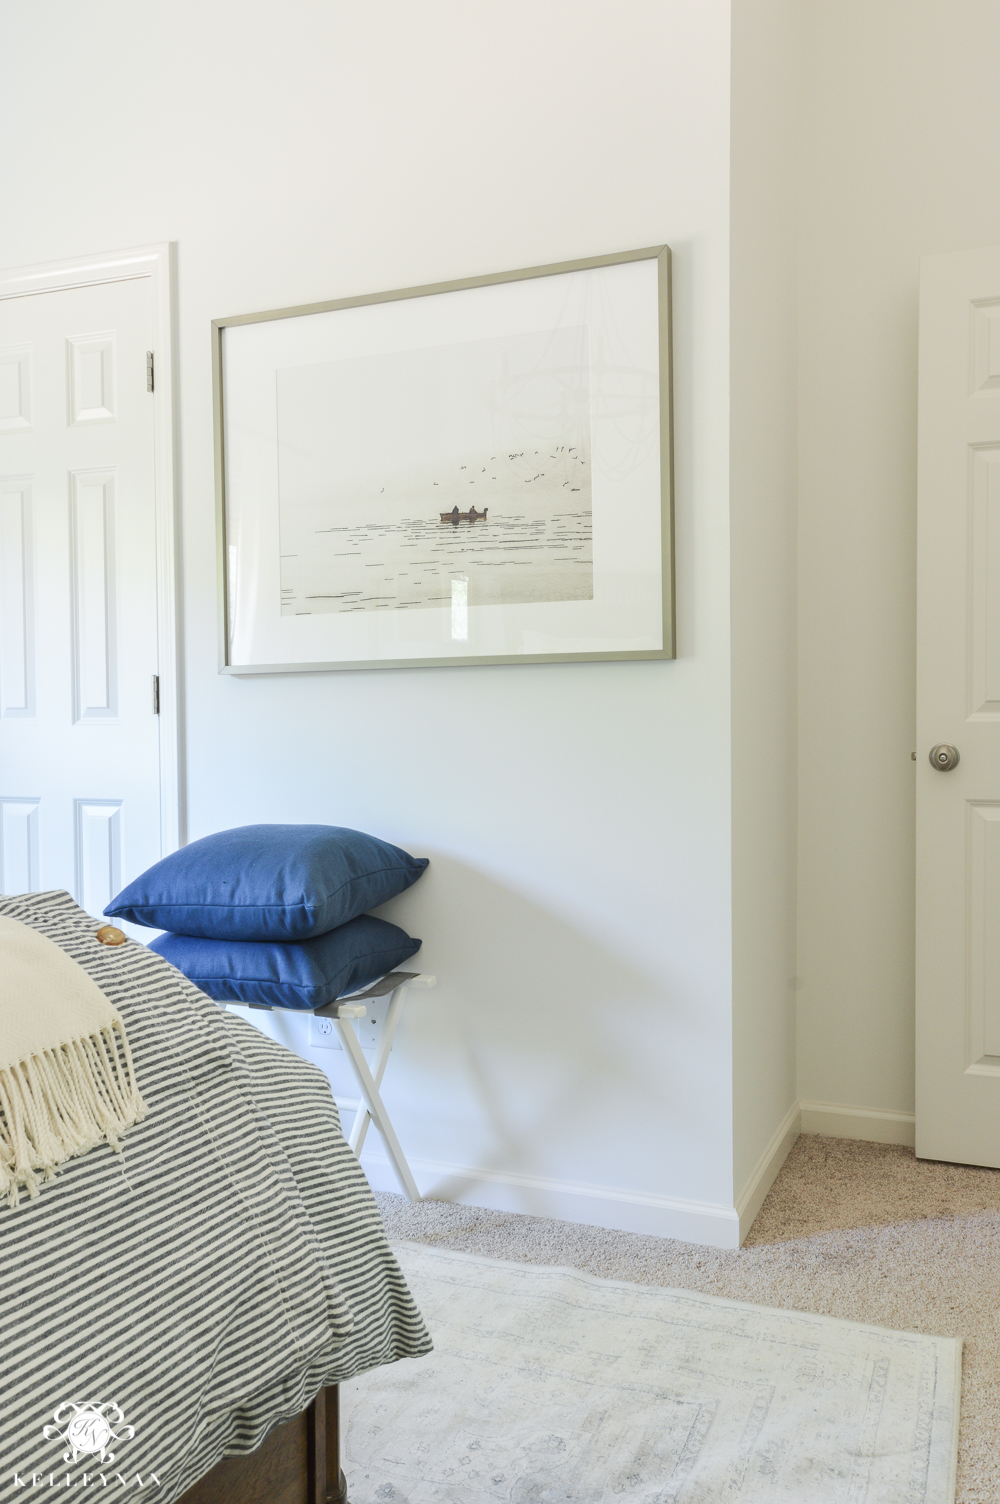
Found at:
[66, 1077]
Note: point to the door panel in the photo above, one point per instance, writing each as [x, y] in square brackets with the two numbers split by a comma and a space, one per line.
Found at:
[98, 852]
[17, 617]
[18, 845]
[958, 703]
[94, 591]
[79, 758]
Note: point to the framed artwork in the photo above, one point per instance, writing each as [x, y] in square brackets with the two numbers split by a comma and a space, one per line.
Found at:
[466, 473]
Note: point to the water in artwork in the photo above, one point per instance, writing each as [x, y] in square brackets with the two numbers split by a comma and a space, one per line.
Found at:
[452, 477]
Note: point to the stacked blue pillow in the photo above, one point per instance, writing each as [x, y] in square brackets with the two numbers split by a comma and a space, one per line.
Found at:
[276, 914]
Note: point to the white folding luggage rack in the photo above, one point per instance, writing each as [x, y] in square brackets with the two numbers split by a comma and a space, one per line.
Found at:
[369, 1107]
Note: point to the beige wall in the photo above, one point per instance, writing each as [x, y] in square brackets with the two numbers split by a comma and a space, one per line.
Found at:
[575, 1057]
[900, 156]
[764, 103]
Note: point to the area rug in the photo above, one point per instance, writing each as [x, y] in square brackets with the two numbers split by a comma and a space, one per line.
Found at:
[548, 1386]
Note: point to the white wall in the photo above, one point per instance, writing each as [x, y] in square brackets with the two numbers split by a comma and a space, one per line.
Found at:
[581, 906]
[763, 255]
[577, 909]
[901, 157]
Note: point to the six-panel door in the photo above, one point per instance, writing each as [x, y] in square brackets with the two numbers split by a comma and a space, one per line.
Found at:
[79, 761]
[958, 704]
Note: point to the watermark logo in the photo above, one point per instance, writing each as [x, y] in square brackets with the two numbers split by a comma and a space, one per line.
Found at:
[88, 1429]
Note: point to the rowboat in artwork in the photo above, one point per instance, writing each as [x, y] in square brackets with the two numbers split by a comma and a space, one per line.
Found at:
[470, 516]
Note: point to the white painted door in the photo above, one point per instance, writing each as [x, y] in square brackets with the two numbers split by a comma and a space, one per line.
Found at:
[958, 705]
[79, 759]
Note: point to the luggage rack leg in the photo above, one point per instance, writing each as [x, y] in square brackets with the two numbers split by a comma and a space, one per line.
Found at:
[386, 1036]
[371, 1108]
[374, 1107]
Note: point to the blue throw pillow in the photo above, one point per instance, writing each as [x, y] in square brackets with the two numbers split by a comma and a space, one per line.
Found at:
[303, 974]
[268, 882]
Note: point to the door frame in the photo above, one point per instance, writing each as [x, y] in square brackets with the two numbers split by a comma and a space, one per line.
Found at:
[158, 263]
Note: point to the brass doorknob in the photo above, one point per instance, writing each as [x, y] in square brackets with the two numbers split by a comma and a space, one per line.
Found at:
[944, 758]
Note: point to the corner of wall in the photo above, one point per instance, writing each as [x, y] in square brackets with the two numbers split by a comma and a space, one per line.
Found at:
[765, 1171]
[763, 510]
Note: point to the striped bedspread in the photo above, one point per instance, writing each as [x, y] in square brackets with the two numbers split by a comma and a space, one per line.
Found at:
[176, 1301]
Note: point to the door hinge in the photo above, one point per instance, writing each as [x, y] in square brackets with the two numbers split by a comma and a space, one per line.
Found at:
[149, 370]
[156, 694]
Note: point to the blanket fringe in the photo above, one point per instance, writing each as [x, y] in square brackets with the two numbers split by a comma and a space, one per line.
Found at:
[59, 1103]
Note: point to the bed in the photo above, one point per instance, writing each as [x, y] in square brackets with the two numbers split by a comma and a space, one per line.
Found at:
[298, 1463]
[204, 1291]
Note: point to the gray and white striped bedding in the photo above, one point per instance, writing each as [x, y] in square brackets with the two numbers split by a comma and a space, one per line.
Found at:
[207, 1280]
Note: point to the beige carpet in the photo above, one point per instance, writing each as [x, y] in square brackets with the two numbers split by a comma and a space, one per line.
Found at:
[858, 1230]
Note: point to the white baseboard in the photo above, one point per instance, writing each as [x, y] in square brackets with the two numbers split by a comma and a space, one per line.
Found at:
[704, 1222]
[836, 1120]
[765, 1171]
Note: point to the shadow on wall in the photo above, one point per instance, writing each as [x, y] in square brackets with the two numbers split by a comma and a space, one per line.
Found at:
[541, 1048]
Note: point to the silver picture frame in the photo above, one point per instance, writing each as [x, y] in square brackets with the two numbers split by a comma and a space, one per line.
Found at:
[239, 562]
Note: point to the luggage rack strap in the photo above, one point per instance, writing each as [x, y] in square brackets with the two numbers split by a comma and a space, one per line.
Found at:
[340, 1005]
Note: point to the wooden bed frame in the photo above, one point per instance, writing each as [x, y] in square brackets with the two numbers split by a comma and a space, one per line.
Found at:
[298, 1463]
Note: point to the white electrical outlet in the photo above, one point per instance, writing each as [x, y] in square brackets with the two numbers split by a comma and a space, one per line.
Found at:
[323, 1032]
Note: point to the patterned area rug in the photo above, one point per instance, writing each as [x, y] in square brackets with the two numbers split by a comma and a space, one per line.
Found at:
[548, 1386]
